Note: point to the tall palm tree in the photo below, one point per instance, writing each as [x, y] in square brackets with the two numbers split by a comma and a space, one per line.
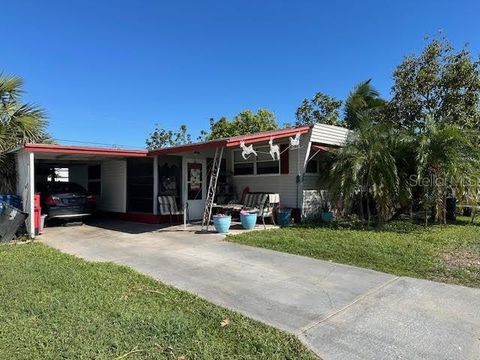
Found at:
[19, 124]
[363, 98]
[366, 168]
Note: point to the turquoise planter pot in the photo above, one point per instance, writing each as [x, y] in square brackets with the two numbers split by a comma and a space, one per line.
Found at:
[248, 221]
[284, 217]
[327, 216]
[222, 223]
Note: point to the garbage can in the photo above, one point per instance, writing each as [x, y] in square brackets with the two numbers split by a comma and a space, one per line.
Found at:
[284, 216]
[10, 221]
[451, 207]
[37, 211]
[42, 224]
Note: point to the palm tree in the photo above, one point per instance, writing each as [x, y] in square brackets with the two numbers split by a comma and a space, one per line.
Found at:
[447, 158]
[363, 98]
[19, 124]
[366, 168]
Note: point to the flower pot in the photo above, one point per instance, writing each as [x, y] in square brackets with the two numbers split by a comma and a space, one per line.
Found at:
[248, 221]
[222, 223]
[327, 216]
[284, 216]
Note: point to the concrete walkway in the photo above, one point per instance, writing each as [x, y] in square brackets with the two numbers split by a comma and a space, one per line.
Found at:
[339, 311]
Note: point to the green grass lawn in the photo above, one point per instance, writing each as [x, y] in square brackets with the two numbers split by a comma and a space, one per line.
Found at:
[441, 253]
[56, 306]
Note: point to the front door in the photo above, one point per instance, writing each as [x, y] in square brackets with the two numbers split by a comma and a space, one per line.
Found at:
[194, 189]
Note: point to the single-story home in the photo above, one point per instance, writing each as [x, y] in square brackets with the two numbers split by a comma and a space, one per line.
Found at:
[128, 182]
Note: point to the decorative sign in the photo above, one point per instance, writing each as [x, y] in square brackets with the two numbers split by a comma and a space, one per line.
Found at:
[195, 177]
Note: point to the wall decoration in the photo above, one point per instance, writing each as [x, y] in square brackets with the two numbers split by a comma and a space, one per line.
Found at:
[247, 150]
[295, 142]
[274, 150]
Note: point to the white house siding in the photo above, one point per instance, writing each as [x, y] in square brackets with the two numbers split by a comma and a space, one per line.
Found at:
[283, 184]
[114, 186]
[322, 134]
[25, 186]
[329, 134]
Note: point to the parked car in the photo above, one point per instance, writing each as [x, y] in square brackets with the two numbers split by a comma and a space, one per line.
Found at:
[65, 200]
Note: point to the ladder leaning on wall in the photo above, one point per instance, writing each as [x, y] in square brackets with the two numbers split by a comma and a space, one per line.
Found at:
[212, 188]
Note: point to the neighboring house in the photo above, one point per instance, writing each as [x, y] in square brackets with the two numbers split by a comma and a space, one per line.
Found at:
[128, 182]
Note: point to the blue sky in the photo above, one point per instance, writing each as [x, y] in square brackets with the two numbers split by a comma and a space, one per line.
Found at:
[107, 71]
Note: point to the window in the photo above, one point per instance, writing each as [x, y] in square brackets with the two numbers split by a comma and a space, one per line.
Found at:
[265, 163]
[261, 164]
[242, 166]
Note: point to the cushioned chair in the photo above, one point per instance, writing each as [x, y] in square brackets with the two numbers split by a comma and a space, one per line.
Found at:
[260, 202]
[168, 206]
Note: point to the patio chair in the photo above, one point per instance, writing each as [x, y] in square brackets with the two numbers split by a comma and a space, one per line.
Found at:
[168, 206]
[260, 202]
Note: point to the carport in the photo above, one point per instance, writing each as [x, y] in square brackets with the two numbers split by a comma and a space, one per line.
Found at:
[102, 171]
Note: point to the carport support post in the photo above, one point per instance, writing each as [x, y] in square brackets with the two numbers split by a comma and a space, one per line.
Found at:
[155, 185]
[30, 190]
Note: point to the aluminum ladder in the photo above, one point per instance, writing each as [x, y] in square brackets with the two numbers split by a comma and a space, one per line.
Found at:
[212, 188]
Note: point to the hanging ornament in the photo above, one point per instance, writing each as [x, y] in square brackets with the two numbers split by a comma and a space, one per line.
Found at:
[274, 150]
[295, 142]
[247, 150]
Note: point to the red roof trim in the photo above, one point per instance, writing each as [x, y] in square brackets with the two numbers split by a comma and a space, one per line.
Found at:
[188, 147]
[232, 141]
[83, 150]
[227, 142]
[264, 136]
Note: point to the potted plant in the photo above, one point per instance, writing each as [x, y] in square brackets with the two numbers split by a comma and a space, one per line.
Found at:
[222, 223]
[248, 219]
[284, 216]
[326, 215]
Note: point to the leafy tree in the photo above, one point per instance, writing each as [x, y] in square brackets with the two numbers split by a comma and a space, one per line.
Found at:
[441, 84]
[322, 109]
[245, 122]
[365, 168]
[163, 138]
[364, 97]
[20, 123]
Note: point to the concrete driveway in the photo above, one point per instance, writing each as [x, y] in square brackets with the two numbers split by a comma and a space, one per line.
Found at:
[339, 311]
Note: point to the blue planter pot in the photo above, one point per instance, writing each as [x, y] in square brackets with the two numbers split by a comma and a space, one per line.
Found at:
[327, 216]
[222, 223]
[248, 221]
[284, 217]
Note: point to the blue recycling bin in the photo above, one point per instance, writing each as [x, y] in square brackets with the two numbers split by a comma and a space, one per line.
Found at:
[284, 216]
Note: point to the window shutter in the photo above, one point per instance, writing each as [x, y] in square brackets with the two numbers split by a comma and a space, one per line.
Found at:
[284, 159]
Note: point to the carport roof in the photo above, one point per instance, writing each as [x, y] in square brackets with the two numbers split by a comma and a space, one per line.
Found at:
[83, 150]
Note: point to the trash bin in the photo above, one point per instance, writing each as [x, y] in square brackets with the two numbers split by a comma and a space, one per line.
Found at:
[284, 216]
[37, 211]
[42, 224]
[451, 208]
[10, 221]
[467, 211]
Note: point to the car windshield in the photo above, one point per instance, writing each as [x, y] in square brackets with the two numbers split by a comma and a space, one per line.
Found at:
[65, 187]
